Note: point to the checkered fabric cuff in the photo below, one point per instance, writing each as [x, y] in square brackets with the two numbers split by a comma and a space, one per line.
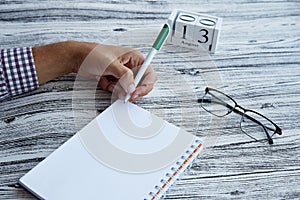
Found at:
[17, 72]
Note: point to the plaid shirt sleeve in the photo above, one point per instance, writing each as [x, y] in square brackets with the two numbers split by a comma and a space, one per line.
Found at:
[17, 72]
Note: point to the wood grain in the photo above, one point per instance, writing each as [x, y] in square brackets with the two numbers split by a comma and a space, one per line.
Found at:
[256, 62]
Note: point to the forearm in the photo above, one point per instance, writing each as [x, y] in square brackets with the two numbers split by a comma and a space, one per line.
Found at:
[58, 59]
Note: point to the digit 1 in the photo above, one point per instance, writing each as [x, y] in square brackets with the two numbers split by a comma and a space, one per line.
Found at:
[184, 32]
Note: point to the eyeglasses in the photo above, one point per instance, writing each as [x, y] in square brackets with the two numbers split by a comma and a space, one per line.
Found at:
[253, 124]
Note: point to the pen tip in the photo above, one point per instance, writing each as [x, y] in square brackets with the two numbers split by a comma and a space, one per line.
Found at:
[127, 97]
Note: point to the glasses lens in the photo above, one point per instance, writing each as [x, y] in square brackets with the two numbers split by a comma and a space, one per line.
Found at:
[257, 126]
[217, 103]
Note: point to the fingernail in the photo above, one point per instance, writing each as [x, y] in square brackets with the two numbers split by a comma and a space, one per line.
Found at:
[135, 96]
[131, 88]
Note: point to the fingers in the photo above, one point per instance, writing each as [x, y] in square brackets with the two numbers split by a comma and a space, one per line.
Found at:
[141, 91]
[108, 83]
[133, 59]
[123, 69]
[111, 84]
[146, 85]
[115, 70]
[119, 83]
[124, 74]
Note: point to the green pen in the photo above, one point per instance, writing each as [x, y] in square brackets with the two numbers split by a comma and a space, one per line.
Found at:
[155, 47]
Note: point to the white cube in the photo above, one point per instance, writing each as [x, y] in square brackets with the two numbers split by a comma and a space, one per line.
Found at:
[194, 30]
[184, 26]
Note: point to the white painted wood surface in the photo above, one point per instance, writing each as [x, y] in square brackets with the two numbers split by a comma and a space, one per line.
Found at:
[258, 59]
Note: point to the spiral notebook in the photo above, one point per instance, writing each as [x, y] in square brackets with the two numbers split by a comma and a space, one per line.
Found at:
[124, 153]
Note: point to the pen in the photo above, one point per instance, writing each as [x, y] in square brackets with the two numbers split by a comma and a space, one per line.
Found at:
[155, 47]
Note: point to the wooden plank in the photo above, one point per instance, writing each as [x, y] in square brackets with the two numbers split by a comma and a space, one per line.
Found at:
[257, 59]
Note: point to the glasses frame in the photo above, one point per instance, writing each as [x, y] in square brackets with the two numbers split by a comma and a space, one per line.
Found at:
[243, 113]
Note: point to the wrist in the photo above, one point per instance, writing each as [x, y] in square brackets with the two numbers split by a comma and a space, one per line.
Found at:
[80, 50]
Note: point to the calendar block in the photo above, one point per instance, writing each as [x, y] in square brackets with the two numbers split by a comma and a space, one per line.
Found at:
[181, 28]
[194, 30]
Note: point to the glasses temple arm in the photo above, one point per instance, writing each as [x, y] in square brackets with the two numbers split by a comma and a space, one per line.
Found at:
[270, 140]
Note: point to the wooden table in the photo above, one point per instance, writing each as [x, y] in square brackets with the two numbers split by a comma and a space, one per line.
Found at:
[256, 62]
